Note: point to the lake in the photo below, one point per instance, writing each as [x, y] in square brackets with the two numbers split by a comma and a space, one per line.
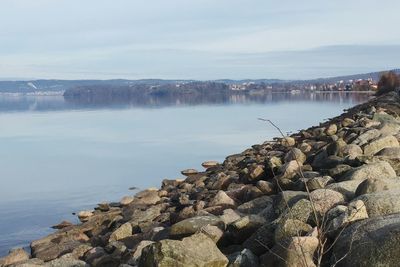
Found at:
[59, 157]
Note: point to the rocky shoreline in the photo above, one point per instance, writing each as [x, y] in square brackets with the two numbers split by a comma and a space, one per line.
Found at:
[326, 196]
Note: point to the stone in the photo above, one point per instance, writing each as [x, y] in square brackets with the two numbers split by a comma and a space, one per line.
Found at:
[62, 225]
[122, 232]
[296, 155]
[325, 199]
[351, 151]
[242, 228]
[373, 170]
[340, 216]
[261, 239]
[256, 172]
[147, 197]
[346, 122]
[289, 170]
[197, 250]
[15, 256]
[370, 242]
[66, 262]
[189, 172]
[319, 182]
[222, 199]
[290, 228]
[126, 200]
[138, 251]
[287, 199]
[372, 185]
[256, 205]
[391, 152]
[266, 187]
[301, 211]
[381, 203]
[229, 216]
[244, 258]
[366, 137]
[339, 170]
[305, 147]
[331, 130]
[192, 225]
[288, 141]
[293, 252]
[85, 215]
[347, 188]
[210, 164]
[213, 232]
[377, 145]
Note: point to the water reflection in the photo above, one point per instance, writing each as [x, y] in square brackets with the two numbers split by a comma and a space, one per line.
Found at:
[53, 103]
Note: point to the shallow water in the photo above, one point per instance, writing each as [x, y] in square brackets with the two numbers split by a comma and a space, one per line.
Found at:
[59, 157]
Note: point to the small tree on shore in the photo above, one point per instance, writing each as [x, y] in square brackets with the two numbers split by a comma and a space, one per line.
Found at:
[388, 82]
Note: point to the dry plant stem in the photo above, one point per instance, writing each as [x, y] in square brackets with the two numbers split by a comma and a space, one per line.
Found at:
[321, 226]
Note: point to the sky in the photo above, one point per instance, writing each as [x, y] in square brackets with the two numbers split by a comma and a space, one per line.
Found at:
[197, 39]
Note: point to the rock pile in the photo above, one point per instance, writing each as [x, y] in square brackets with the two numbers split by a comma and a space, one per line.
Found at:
[326, 195]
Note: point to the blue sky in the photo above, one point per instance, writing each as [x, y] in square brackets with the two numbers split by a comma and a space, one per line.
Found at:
[197, 39]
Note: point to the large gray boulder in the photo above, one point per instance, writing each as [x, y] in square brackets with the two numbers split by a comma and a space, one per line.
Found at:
[374, 170]
[372, 185]
[381, 203]
[197, 251]
[380, 143]
[192, 225]
[370, 242]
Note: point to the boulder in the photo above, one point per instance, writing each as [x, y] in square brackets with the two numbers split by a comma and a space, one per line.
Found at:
[147, 197]
[288, 141]
[347, 188]
[241, 229]
[138, 251]
[256, 205]
[296, 155]
[197, 250]
[372, 185]
[373, 170]
[370, 242]
[351, 151]
[319, 182]
[331, 130]
[340, 216]
[15, 256]
[244, 258]
[261, 240]
[222, 199]
[66, 262]
[189, 172]
[192, 225]
[126, 200]
[325, 199]
[381, 203]
[267, 188]
[293, 252]
[366, 137]
[290, 228]
[378, 144]
[84, 215]
[210, 164]
[287, 199]
[229, 216]
[301, 211]
[122, 232]
[213, 232]
[346, 122]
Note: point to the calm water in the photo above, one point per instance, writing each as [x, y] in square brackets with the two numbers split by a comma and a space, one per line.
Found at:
[59, 157]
